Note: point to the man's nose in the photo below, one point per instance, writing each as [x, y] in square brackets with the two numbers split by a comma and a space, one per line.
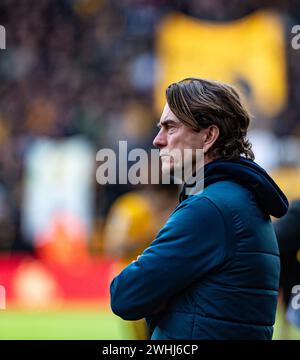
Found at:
[160, 140]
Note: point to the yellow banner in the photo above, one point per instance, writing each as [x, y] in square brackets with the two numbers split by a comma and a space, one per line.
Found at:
[248, 53]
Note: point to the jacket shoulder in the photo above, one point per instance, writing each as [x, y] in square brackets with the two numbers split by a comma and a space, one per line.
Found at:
[230, 195]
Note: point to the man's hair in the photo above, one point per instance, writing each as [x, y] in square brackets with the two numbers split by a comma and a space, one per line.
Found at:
[199, 103]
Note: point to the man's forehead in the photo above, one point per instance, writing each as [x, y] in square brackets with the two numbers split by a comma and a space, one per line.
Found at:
[167, 114]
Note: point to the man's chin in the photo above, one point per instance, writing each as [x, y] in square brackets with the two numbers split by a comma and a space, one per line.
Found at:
[172, 172]
[167, 166]
[167, 169]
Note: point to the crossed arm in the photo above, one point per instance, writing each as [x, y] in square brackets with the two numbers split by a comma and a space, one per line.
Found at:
[191, 244]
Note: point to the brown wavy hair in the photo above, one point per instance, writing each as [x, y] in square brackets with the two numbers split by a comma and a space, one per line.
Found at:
[199, 103]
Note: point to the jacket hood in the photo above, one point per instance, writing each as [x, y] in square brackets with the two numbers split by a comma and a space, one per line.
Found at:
[250, 175]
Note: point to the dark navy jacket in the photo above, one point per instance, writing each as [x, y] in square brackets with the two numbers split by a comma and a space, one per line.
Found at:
[213, 270]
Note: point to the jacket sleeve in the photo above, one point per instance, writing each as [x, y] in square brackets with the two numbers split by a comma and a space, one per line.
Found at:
[287, 229]
[191, 244]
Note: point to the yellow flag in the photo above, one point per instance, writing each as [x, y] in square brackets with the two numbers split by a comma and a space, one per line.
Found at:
[248, 53]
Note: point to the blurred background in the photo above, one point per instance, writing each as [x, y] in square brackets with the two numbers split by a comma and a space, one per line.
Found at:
[80, 75]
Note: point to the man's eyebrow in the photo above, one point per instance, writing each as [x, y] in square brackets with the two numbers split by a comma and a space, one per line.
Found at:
[166, 122]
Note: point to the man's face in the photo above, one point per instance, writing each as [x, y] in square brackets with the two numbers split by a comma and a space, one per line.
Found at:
[173, 137]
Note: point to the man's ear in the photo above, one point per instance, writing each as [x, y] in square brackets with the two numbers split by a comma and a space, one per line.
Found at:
[211, 134]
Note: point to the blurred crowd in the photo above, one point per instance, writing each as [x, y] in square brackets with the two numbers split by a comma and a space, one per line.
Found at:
[87, 67]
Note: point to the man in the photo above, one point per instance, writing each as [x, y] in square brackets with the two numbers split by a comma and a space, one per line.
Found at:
[287, 230]
[213, 270]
